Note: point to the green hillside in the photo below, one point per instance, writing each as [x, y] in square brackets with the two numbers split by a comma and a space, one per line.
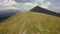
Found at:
[31, 23]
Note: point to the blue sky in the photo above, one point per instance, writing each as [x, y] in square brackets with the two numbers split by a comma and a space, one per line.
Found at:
[25, 5]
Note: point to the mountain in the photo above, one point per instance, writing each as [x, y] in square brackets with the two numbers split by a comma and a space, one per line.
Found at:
[31, 23]
[6, 14]
[42, 10]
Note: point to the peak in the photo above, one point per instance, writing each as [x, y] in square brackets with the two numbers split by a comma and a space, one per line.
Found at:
[37, 7]
[42, 10]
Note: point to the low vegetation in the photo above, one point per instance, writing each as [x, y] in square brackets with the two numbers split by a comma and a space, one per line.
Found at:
[31, 23]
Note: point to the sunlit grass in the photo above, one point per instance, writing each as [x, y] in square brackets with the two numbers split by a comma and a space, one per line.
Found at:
[31, 23]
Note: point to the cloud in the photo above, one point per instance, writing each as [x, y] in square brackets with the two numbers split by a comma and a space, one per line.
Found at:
[24, 5]
[43, 4]
[40, 1]
[55, 8]
[46, 5]
[11, 4]
[24, 1]
[50, 5]
[7, 3]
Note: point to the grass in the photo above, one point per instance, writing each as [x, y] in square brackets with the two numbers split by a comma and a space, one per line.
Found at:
[31, 23]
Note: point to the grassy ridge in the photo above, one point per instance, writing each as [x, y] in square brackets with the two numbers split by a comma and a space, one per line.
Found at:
[31, 23]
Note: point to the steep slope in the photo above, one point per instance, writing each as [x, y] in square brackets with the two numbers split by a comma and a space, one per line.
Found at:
[5, 14]
[31, 23]
[46, 11]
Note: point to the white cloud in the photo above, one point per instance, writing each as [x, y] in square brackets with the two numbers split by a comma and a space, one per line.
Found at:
[40, 1]
[10, 4]
[11, 7]
[27, 5]
[23, 6]
[30, 4]
[46, 5]
[7, 3]
[55, 8]
[43, 4]
[24, 1]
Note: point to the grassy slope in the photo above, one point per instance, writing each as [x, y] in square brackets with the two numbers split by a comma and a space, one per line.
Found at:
[31, 23]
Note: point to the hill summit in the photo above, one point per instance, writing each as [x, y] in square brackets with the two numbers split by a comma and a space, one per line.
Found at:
[31, 23]
[42, 10]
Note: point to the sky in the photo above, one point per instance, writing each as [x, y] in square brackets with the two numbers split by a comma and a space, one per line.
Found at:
[25, 5]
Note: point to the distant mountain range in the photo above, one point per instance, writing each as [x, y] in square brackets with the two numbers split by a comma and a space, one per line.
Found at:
[6, 14]
[42, 10]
